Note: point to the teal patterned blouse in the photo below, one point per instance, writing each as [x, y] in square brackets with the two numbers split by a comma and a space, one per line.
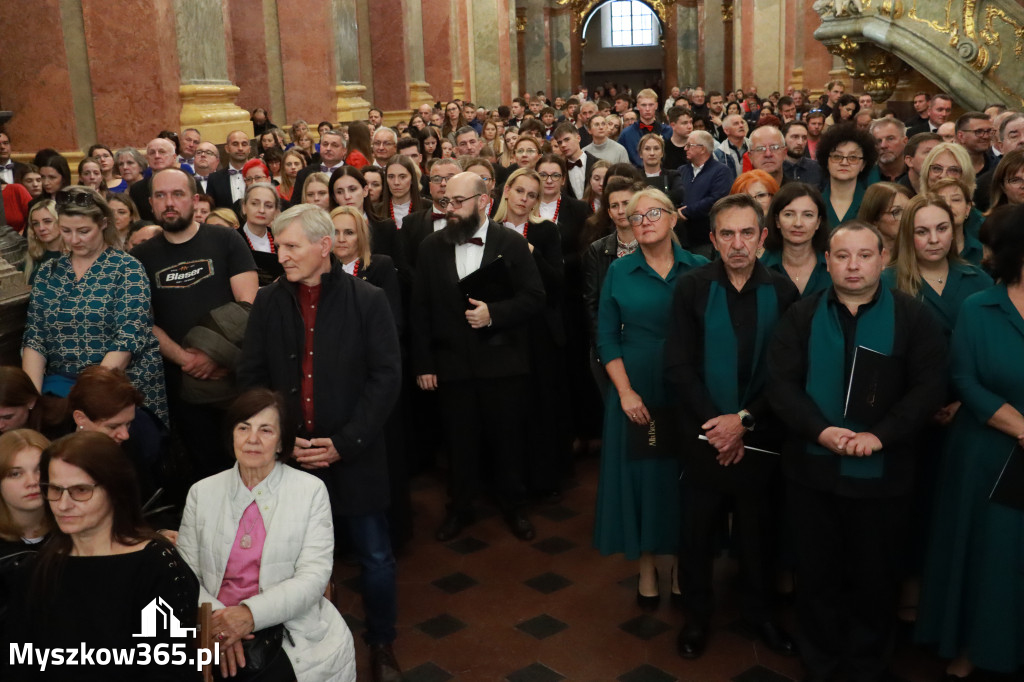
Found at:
[75, 323]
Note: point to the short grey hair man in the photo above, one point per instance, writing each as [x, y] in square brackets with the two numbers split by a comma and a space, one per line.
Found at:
[314, 221]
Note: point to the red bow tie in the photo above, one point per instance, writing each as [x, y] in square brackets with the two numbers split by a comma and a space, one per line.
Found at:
[646, 128]
[475, 240]
[578, 163]
[438, 216]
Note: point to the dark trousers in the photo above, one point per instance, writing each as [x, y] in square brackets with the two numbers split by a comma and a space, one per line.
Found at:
[848, 552]
[484, 418]
[200, 431]
[753, 534]
[371, 543]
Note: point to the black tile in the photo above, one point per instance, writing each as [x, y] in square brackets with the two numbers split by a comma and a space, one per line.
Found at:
[646, 673]
[454, 583]
[645, 627]
[535, 672]
[558, 512]
[354, 624]
[759, 673]
[441, 626]
[546, 583]
[554, 545]
[426, 672]
[467, 545]
[542, 627]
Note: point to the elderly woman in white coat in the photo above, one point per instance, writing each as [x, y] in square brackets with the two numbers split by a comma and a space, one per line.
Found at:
[261, 540]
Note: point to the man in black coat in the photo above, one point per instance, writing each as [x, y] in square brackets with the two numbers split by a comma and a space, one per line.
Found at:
[328, 342]
[723, 316]
[474, 352]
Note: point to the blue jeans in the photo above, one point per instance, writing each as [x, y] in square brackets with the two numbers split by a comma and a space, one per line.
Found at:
[372, 545]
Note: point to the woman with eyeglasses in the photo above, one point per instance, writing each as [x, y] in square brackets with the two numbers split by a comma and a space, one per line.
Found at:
[91, 307]
[1008, 181]
[638, 499]
[947, 160]
[758, 184]
[526, 152]
[23, 523]
[882, 205]
[105, 157]
[100, 569]
[847, 156]
[972, 606]
[798, 237]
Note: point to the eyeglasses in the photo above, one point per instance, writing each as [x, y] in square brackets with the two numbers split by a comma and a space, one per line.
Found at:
[83, 199]
[80, 492]
[849, 158]
[438, 179]
[383, 143]
[951, 171]
[1015, 181]
[529, 151]
[773, 147]
[981, 132]
[486, 178]
[760, 196]
[895, 212]
[255, 178]
[205, 152]
[550, 176]
[455, 202]
[653, 215]
[690, 145]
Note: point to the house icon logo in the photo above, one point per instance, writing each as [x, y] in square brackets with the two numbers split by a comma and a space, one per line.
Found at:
[158, 616]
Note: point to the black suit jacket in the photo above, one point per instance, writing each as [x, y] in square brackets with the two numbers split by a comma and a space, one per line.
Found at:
[588, 165]
[922, 126]
[358, 370]
[218, 186]
[382, 274]
[18, 171]
[140, 192]
[547, 254]
[443, 343]
[415, 228]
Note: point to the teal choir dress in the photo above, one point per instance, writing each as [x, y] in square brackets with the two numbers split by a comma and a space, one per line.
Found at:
[830, 213]
[75, 323]
[637, 499]
[818, 281]
[964, 280]
[973, 250]
[972, 594]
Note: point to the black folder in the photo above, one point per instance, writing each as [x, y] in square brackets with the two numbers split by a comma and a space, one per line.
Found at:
[876, 384]
[659, 438]
[1009, 487]
[491, 282]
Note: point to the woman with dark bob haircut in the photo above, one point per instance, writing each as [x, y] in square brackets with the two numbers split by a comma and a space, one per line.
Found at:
[348, 188]
[264, 566]
[102, 566]
[972, 606]
[847, 156]
[798, 237]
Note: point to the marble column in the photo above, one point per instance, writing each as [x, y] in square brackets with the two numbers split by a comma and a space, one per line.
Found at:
[35, 78]
[207, 93]
[506, 24]
[575, 52]
[728, 45]
[484, 58]
[439, 53]
[419, 88]
[769, 37]
[714, 46]
[390, 59]
[515, 57]
[817, 60]
[349, 103]
[249, 38]
[521, 49]
[561, 53]
[308, 60]
[275, 69]
[462, 54]
[687, 44]
[538, 55]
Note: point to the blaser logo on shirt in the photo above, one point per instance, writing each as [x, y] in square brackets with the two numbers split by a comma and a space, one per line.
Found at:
[184, 275]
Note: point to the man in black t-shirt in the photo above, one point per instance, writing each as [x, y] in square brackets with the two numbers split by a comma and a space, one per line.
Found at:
[192, 269]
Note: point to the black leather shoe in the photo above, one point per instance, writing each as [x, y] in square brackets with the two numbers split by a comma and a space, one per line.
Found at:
[648, 603]
[692, 641]
[452, 526]
[775, 638]
[383, 665]
[520, 526]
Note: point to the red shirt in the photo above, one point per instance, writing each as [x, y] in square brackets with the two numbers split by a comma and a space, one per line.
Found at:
[309, 300]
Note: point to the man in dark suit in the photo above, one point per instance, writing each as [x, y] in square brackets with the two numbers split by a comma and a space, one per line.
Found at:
[850, 473]
[578, 162]
[207, 158]
[938, 111]
[703, 181]
[723, 316]
[417, 226]
[160, 154]
[227, 185]
[10, 171]
[474, 352]
[332, 156]
[328, 342]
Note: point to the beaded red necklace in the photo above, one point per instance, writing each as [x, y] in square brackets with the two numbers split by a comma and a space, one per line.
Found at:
[270, 238]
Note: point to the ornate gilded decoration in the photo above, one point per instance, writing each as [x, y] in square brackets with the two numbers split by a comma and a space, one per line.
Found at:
[892, 9]
[879, 69]
[582, 8]
[520, 24]
[727, 11]
[838, 9]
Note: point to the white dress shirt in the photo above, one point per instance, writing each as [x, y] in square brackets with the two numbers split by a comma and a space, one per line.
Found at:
[521, 229]
[577, 177]
[400, 210]
[468, 256]
[261, 244]
[548, 209]
[237, 185]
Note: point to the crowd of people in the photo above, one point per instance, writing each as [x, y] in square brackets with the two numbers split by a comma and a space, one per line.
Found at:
[252, 344]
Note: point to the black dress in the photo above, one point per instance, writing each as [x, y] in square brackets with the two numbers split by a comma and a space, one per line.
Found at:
[97, 602]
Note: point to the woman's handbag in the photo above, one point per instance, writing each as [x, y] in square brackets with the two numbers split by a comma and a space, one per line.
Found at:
[265, 660]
